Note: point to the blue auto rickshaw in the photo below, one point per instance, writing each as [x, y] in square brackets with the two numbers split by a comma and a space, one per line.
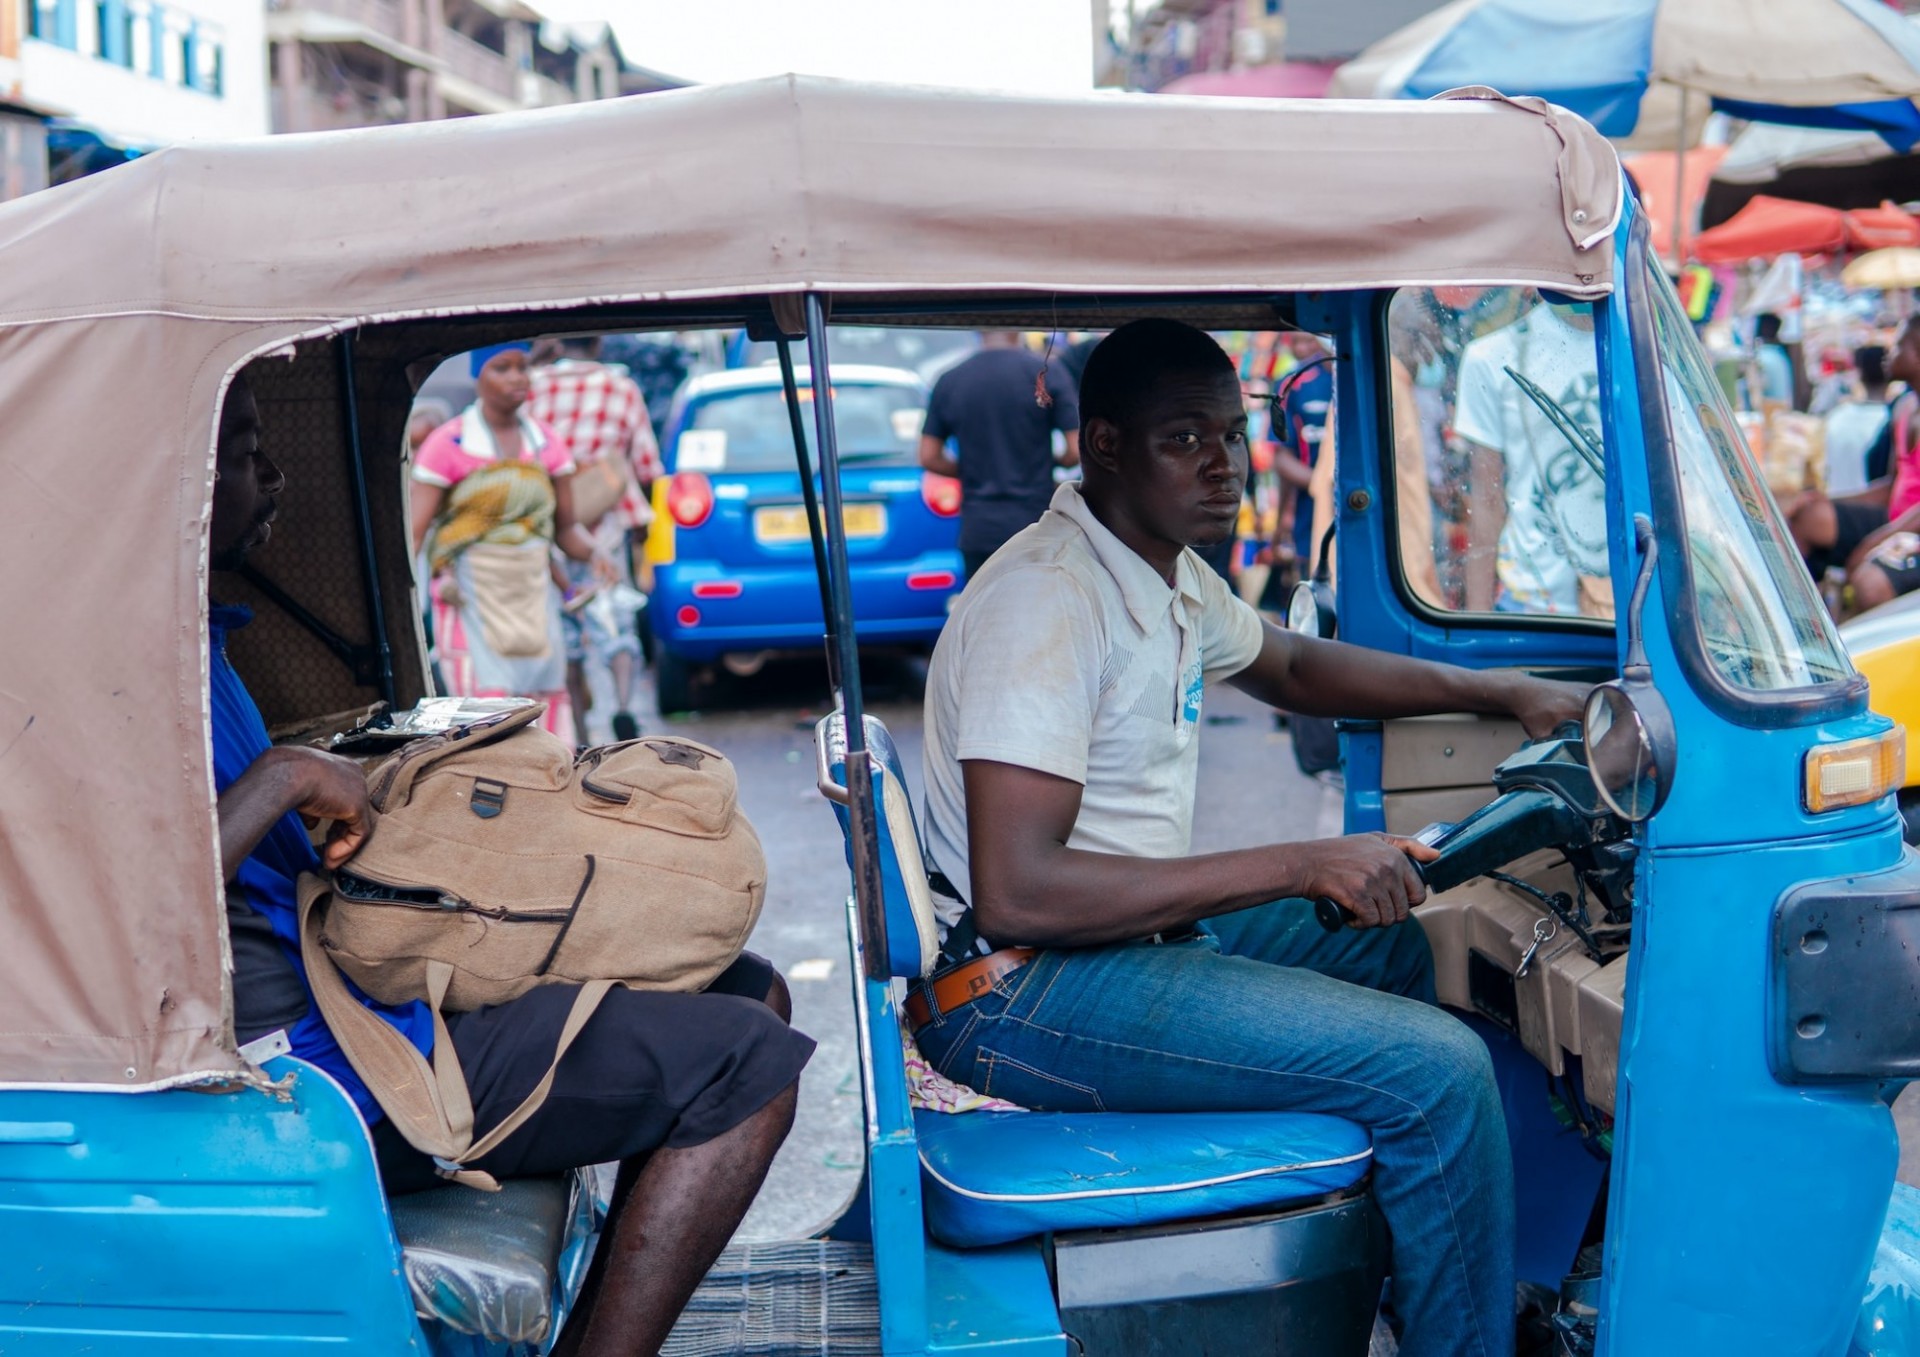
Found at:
[1688, 932]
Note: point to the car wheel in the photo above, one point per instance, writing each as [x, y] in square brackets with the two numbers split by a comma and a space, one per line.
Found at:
[672, 682]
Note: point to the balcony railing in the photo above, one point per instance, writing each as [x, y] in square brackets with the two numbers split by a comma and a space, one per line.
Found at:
[381, 16]
[478, 63]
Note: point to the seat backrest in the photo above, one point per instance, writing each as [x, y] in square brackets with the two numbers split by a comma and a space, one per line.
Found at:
[913, 930]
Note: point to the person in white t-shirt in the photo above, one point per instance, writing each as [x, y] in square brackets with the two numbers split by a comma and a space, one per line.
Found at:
[1096, 964]
[1533, 489]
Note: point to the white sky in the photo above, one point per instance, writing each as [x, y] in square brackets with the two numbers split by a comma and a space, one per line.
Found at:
[1029, 45]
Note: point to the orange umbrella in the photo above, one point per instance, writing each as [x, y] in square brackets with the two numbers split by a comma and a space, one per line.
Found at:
[1769, 226]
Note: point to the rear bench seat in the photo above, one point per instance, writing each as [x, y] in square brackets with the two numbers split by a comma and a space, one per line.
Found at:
[993, 1177]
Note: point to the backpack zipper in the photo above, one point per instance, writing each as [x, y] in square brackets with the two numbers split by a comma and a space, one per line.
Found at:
[363, 890]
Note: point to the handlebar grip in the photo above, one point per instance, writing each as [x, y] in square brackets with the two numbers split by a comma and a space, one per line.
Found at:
[1333, 915]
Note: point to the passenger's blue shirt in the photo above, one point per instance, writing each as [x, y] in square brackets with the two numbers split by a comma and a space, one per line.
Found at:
[268, 875]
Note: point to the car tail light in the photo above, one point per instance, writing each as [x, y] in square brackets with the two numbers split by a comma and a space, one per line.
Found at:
[688, 616]
[932, 579]
[689, 498]
[941, 494]
[717, 589]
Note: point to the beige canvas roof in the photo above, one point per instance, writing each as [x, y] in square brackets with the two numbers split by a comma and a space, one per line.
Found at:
[128, 298]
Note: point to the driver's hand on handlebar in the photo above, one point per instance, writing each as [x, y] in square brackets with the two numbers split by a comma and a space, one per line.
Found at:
[1371, 874]
[1542, 706]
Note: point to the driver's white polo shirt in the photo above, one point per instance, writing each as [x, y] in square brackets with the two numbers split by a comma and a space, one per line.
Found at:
[1069, 654]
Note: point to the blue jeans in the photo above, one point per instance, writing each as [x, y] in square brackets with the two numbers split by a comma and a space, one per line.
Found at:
[1266, 1010]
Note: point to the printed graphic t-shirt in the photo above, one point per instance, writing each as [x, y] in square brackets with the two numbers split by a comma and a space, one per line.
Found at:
[1556, 528]
[1070, 655]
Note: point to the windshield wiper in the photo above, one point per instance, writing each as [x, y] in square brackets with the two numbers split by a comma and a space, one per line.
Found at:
[1570, 429]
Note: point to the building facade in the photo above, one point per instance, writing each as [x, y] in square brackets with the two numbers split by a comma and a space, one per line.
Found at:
[357, 63]
[141, 72]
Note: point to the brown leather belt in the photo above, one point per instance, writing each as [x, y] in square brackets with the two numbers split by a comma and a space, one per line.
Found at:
[963, 984]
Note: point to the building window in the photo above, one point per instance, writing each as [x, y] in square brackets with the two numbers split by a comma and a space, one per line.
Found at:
[140, 38]
[209, 59]
[43, 21]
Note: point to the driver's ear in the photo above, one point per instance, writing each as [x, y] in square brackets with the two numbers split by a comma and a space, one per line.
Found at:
[1100, 444]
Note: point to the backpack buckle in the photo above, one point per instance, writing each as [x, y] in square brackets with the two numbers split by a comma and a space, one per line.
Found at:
[489, 797]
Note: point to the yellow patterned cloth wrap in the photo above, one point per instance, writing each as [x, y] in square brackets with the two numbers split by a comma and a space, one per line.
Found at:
[503, 504]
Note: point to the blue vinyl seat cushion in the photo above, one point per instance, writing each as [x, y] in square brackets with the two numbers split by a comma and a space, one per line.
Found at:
[991, 1177]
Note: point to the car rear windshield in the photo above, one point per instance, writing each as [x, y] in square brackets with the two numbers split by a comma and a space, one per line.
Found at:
[749, 430]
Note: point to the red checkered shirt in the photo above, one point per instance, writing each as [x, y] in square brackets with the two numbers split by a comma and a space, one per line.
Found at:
[600, 412]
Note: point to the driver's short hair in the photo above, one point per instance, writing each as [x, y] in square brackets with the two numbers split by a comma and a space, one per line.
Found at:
[1123, 367]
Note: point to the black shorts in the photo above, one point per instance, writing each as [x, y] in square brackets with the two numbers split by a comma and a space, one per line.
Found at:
[1899, 560]
[649, 1069]
[1852, 524]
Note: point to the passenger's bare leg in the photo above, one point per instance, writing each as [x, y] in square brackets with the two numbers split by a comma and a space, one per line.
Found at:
[1814, 524]
[670, 1218]
[620, 666]
[780, 998]
[1871, 587]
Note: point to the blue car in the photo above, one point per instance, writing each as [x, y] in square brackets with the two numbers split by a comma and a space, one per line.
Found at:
[733, 571]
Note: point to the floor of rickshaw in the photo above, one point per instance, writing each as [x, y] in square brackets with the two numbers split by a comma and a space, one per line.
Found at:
[783, 1299]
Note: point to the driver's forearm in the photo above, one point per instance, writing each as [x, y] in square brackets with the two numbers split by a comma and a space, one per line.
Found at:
[1069, 897]
[252, 805]
[1331, 678]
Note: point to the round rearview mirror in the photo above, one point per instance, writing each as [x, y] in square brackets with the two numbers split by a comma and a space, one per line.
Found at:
[1630, 748]
[1310, 610]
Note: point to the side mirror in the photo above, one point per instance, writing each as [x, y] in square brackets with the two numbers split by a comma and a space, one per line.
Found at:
[1630, 748]
[1311, 610]
[1629, 737]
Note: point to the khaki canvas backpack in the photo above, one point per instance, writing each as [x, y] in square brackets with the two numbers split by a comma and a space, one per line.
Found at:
[499, 861]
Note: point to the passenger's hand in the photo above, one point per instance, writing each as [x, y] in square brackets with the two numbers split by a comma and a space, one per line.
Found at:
[1371, 874]
[332, 788]
[604, 568]
[1542, 706]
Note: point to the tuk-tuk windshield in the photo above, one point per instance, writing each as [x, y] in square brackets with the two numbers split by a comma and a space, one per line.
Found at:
[1760, 618]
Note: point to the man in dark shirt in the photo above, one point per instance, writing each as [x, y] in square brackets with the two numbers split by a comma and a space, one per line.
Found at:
[991, 406]
[691, 1093]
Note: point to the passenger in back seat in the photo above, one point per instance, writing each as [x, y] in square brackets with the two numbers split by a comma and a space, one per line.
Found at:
[691, 1093]
[1063, 707]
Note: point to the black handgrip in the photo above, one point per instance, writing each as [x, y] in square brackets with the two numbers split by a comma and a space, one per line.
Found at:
[1333, 915]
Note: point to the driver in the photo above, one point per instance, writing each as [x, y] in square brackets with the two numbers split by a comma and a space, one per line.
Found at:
[1111, 969]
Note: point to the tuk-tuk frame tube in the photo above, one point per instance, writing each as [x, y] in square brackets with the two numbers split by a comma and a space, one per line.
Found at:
[864, 837]
[790, 386]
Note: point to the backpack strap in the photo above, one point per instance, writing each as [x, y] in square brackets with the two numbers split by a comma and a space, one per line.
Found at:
[428, 1102]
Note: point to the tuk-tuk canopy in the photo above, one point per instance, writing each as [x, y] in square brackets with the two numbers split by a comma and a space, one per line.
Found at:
[129, 297]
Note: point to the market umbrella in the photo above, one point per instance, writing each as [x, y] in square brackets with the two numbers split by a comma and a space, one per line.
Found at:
[1885, 270]
[1766, 227]
[1769, 226]
[1807, 63]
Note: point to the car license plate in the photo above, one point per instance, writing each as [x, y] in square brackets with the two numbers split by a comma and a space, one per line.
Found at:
[788, 523]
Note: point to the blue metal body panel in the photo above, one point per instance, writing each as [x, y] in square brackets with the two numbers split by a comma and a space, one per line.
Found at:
[1889, 1322]
[994, 1301]
[250, 1222]
[1701, 1121]
[1556, 1178]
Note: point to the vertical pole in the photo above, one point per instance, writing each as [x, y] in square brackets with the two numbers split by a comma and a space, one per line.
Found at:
[363, 518]
[865, 835]
[798, 424]
[1680, 180]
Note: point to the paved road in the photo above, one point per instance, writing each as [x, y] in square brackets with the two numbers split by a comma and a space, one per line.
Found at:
[1250, 792]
